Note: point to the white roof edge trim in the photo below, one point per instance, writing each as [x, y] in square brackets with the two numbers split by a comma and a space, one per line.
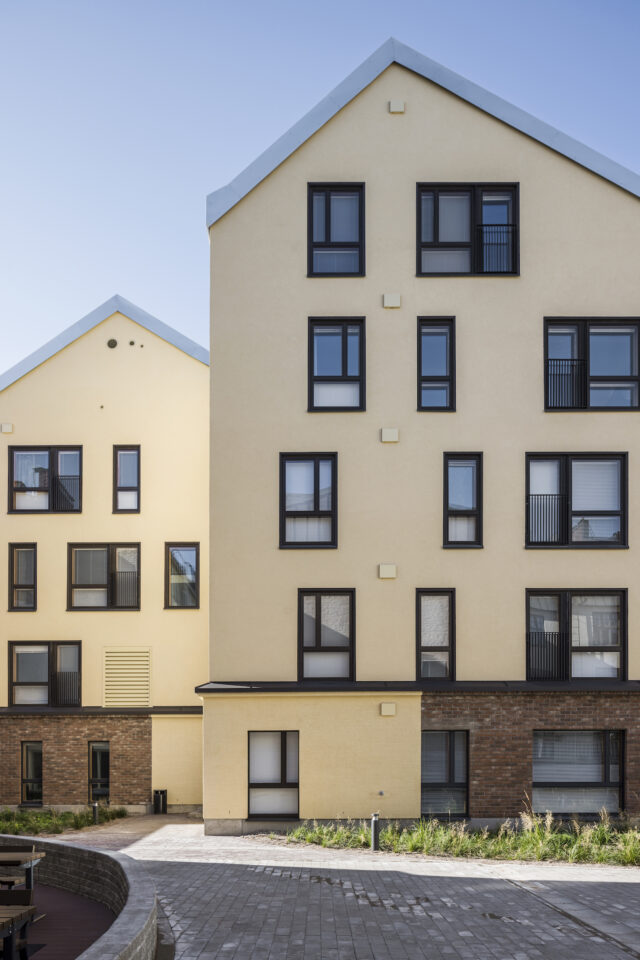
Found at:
[115, 304]
[392, 51]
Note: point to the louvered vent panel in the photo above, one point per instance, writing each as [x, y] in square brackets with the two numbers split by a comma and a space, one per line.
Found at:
[127, 677]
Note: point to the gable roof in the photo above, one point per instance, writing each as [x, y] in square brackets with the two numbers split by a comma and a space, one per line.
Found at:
[392, 51]
[115, 304]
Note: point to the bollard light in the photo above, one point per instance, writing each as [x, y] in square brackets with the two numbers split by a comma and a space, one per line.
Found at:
[96, 819]
[375, 832]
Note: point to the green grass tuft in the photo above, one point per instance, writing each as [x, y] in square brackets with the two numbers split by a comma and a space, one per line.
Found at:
[31, 822]
[531, 837]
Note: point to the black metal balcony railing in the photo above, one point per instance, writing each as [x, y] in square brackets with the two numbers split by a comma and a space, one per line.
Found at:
[65, 689]
[547, 518]
[125, 588]
[566, 384]
[548, 656]
[496, 244]
[65, 493]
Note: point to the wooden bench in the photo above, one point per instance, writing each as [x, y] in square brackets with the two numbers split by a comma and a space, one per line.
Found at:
[14, 920]
[8, 879]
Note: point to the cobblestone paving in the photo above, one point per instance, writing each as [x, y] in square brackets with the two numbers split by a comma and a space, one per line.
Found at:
[259, 899]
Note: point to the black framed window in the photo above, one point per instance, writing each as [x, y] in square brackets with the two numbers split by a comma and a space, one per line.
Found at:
[98, 770]
[576, 634]
[126, 479]
[273, 773]
[45, 479]
[444, 773]
[326, 634]
[336, 364]
[435, 632]
[576, 500]
[467, 228]
[182, 576]
[577, 771]
[436, 363]
[308, 500]
[592, 364]
[462, 500]
[22, 576]
[336, 230]
[45, 674]
[103, 576]
[31, 763]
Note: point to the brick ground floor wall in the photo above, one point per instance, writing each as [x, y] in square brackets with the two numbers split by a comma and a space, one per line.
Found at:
[65, 756]
[501, 726]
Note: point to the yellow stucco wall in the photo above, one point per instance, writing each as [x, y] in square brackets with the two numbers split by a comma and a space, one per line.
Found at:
[150, 394]
[579, 237]
[176, 758]
[352, 761]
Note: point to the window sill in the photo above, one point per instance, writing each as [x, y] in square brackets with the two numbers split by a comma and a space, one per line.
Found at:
[462, 546]
[422, 276]
[576, 546]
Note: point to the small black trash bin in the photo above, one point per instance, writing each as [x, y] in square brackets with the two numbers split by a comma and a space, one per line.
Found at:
[159, 801]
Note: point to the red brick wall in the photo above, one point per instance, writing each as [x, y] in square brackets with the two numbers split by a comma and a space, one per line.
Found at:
[65, 752]
[501, 729]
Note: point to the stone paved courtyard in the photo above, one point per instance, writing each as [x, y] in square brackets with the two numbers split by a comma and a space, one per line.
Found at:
[253, 897]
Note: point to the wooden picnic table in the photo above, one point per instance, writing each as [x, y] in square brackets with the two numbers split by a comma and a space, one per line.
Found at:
[14, 920]
[22, 858]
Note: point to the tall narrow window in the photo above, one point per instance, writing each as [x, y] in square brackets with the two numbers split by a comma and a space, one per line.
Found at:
[31, 792]
[126, 479]
[22, 576]
[436, 364]
[576, 500]
[435, 627]
[273, 773]
[104, 576]
[463, 500]
[326, 628]
[45, 479]
[182, 576]
[336, 364]
[576, 634]
[336, 230]
[444, 773]
[467, 229]
[308, 500]
[577, 771]
[592, 364]
[98, 770]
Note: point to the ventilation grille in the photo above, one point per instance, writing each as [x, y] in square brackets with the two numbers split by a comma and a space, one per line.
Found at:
[127, 677]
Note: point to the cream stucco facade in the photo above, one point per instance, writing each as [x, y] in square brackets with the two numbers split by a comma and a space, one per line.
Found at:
[579, 236]
[146, 392]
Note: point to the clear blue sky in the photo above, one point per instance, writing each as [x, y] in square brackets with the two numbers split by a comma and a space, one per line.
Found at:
[118, 117]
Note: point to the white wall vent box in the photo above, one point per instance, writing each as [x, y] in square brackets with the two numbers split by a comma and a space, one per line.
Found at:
[387, 709]
[396, 106]
[391, 301]
[389, 435]
[7, 428]
[387, 571]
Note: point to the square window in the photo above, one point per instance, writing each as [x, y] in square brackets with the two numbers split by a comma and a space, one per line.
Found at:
[47, 674]
[577, 771]
[104, 576]
[336, 364]
[45, 479]
[467, 229]
[336, 230]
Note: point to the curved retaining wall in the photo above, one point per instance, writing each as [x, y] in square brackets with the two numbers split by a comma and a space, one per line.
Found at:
[116, 881]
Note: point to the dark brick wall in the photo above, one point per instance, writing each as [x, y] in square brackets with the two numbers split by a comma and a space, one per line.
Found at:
[65, 763]
[501, 729]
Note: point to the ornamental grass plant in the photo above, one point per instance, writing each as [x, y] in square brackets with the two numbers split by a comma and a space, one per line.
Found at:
[31, 821]
[529, 837]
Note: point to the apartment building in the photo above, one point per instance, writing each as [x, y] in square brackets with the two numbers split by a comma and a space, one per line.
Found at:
[425, 499]
[104, 519]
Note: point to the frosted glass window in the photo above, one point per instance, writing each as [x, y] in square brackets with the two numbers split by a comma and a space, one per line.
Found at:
[595, 620]
[595, 485]
[462, 529]
[596, 663]
[30, 694]
[326, 665]
[576, 799]
[446, 260]
[271, 802]
[434, 620]
[308, 530]
[335, 610]
[544, 477]
[273, 773]
[336, 395]
[265, 757]
[32, 500]
[307, 513]
[454, 217]
[127, 499]
[336, 260]
[89, 598]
